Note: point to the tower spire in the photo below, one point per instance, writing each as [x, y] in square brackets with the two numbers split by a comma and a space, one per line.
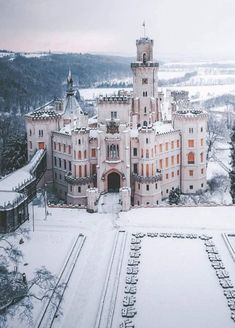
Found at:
[70, 83]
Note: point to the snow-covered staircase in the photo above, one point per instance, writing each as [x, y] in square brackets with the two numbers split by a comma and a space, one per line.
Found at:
[109, 203]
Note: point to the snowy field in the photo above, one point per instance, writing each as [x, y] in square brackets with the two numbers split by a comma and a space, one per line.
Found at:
[200, 91]
[177, 284]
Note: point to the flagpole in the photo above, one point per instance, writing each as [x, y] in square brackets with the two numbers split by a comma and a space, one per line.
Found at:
[144, 28]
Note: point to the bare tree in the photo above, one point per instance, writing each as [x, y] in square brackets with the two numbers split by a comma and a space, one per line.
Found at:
[215, 130]
[16, 291]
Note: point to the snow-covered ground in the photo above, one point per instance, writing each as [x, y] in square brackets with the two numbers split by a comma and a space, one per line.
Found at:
[176, 286]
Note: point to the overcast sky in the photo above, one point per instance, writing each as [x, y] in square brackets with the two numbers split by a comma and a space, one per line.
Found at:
[183, 28]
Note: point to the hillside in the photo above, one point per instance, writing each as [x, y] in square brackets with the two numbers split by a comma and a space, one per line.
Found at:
[26, 82]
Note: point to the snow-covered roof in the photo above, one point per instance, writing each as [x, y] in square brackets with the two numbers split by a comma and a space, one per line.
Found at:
[46, 111]
[93, 133]
[23, 176]
[10, 198]
[65, 130]
[72, 107]
[161, 127]
[92, 120]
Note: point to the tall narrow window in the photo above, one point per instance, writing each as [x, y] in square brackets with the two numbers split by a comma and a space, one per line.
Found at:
[191, 158]
[202, 157]
[166, 161]
[135, 168]
[147, 170]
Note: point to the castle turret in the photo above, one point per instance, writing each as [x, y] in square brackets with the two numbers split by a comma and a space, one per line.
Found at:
[73, 114]
[193, 125]
[145, 83]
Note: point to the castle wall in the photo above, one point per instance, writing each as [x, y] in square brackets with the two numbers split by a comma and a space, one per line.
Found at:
[193, 128]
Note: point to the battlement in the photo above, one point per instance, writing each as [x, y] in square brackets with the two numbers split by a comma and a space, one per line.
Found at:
[114, 99]
[144, 40]
[146, 64]
[190, 114]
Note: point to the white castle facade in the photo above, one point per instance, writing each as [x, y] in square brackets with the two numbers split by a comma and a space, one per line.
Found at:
[140, 145]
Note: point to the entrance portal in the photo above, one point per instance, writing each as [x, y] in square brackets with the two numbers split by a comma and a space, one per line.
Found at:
[113, 182]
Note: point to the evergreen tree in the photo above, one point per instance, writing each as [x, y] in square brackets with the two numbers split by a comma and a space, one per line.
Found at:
[174, 196]
[232, 172]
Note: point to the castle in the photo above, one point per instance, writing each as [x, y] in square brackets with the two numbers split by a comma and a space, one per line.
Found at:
[139, 145]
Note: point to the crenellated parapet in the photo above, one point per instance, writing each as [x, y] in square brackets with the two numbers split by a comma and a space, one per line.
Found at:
[144, 179]
[114, 99]
[143, 65]
[190, 114]
[81, 180]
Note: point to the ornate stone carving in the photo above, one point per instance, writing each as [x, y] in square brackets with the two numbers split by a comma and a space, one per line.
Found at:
[112, 127]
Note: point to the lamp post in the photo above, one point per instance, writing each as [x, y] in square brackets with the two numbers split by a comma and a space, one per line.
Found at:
[33, 214]
[45, 201]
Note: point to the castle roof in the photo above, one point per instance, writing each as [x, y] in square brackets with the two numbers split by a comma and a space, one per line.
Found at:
[161, 128]
[22, 176]
[46, 111]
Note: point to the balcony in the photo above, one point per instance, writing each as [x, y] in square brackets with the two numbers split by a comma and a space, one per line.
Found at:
[81, 180]
[152, 179]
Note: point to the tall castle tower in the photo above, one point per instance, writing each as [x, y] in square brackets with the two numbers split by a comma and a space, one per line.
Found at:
[145, 85]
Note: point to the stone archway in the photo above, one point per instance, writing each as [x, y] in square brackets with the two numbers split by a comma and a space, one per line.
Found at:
[113, 182]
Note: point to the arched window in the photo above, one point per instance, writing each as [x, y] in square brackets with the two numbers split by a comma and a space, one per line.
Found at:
[30, 132]
[147, 153]
[84, 153]
[191, 158]
[145, 123]
[79, 154]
